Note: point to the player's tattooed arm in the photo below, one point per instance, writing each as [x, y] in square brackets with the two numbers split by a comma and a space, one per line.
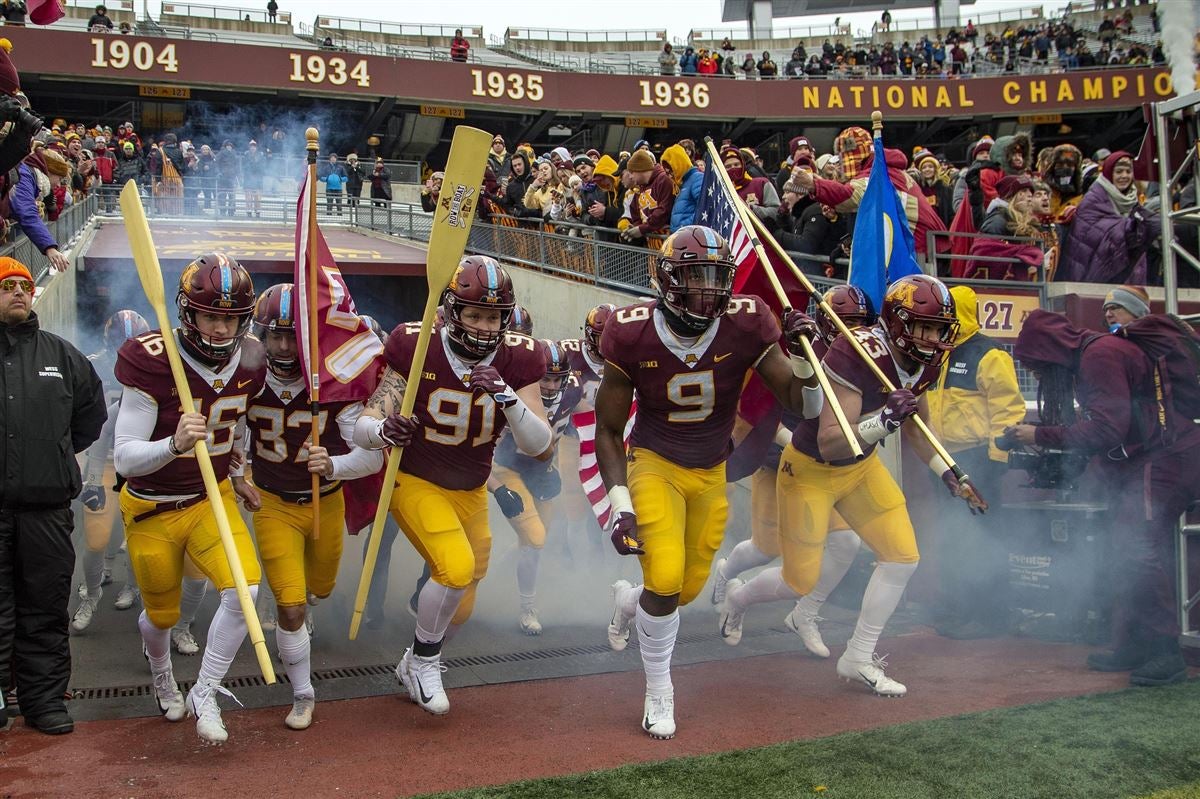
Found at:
[388, 396]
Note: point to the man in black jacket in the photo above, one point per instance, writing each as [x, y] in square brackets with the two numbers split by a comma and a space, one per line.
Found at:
[51, 407]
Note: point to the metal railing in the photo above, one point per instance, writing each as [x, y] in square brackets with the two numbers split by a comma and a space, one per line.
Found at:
[566, 35]
[736, 34]
[397, 28]
[111, 5]
[230, 13]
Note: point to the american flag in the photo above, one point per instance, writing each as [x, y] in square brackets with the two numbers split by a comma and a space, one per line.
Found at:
[716, 210]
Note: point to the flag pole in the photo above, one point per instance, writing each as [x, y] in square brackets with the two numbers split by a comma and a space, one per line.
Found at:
[962, 477]
[753, 228]
[312, 138]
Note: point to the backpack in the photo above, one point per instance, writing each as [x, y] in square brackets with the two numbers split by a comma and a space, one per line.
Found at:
[1173, 348]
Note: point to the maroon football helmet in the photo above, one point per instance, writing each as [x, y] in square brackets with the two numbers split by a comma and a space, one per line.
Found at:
[521, 321]
[215, 284]
[275, 312]
[479, 282]
[593, 328]
[694, 272]
[850, 304]
[121, 326]
[915, 300]
[558, 368]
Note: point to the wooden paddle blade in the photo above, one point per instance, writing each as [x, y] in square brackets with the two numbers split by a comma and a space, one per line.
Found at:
[137, 228]
[456, 205]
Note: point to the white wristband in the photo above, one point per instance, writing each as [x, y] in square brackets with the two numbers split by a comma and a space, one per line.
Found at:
[872, 430]
[801, 368]
[938, 465]
[618, 497]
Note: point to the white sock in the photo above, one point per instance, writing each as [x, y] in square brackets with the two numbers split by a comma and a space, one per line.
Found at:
[158, 644]
[745, 556]
[841, 547]
[627, 600]
[766, 586]
[225, 636]
[193, 594]
[879, 602]
[295, 649]
[93, 571]
[656, 639]
[527, 569]
[436, 605]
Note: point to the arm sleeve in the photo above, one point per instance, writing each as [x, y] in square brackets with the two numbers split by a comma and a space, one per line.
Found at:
[1005, 405]
[24, 210]
[89, 414]
[97, 453]
[358, 462]
[134, 453]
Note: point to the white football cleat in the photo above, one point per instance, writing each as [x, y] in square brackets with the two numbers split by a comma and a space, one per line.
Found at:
[871, 675]
[529, 622]
[128, 594]
[86, 610]
[202, 703]
[169, 697]
[720, 584]
[805, 626]
[658, 717]
[731, 617]
[183, 641]
[618, 628]
[302, 712]
[422, 678]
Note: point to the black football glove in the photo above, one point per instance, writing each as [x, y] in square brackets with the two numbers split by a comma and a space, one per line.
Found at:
[510, 502]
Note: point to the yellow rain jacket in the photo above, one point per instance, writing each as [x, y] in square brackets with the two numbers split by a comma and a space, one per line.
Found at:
[976, 395]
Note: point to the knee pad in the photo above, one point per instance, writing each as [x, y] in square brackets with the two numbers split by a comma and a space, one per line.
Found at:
[162, 618]
[229, 599]
[156, 572]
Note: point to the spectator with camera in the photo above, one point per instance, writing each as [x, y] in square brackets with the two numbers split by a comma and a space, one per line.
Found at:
[431, 191]
[1135, 418]
[381, 183]
[540, 194]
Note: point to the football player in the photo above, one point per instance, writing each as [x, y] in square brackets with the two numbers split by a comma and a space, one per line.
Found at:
[477, 379]
[587, 364]
[525, 486]
[521, 321]
[163, 502]
[818, 473]
[686, 356]
[100, 476]
[301, 570]
[841, 545]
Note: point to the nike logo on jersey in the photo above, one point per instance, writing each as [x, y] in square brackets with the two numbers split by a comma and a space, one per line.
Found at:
[244, 383]
[719, 358]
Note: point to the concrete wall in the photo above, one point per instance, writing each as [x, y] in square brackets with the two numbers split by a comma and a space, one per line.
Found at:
[212, 23]
[55, 305]
[558, 305]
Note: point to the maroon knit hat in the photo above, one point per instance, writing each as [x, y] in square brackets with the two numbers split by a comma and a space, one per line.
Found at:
[1110, 163]
[1009, 185]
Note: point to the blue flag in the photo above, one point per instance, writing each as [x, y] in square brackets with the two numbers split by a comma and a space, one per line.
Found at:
[881, 251]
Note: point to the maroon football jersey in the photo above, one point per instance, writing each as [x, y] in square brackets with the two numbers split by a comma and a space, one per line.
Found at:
[687, 391]
[222, 395]
[582, 369]
[281, 426]
[453, 448]
[844, 365]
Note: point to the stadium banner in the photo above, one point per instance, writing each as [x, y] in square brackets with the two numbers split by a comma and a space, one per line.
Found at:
[160, 60]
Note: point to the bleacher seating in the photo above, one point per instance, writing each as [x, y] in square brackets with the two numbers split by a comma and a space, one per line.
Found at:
[224, 18]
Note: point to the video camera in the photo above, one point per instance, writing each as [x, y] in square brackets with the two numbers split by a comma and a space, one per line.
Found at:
[1052, 469]
[18, 126]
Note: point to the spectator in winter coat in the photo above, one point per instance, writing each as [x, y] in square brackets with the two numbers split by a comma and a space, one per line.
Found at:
[356, 175]
[1112, 232]
[795, 66]
[459, 46]
[602, 196]
[707, 64]
[381, 183]
[667, 60]
[24, 201]
[651, 210]
[758, 193]
[935, 185]
[981, 154]
[539, 195]
[766, 66]
[254, 170]
[431, 191]
[1064, 176]
[687, 180]
[129, 166]
[229, 173]
[519, 178]
[100, 20]
[797, 147]
[498, 157]
[689, 63]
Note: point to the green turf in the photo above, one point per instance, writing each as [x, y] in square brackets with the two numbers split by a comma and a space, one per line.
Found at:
[1125, 744]
[1184, 792]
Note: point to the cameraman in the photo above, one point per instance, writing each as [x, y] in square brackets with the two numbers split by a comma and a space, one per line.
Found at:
[1150, 477]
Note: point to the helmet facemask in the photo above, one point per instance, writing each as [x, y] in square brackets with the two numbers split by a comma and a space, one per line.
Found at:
[472, 341]
[213, 349]
[695, 292]
[929, 351]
